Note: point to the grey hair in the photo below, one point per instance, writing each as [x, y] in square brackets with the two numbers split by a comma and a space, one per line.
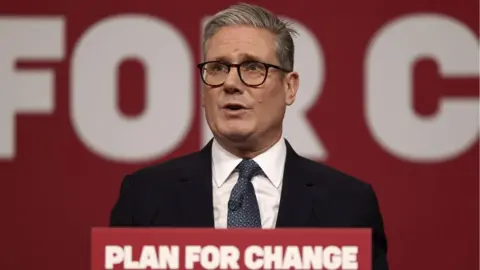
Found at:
[256, 16]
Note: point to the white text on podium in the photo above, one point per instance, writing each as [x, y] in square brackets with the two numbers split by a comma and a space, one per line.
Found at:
[231, 257]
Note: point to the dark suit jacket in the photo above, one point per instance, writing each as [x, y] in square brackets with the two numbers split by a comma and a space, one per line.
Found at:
[178, 193]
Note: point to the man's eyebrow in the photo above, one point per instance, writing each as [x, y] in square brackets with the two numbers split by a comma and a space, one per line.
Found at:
[243, 57]
[249, 57]
[221, 59]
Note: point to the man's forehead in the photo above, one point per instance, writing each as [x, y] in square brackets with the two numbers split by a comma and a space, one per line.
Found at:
[240, 43]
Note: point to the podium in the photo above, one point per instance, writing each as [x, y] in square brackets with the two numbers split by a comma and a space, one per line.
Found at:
[190, 248]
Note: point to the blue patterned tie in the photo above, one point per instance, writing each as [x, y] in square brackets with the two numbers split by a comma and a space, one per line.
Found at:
[243, 209]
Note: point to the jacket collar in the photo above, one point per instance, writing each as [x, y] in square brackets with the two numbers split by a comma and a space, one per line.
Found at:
[195, 190]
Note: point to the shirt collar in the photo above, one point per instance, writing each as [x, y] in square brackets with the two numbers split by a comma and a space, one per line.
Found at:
[271, 161]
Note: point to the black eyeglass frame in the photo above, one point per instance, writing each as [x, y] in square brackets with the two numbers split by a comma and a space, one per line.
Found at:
[237, 66]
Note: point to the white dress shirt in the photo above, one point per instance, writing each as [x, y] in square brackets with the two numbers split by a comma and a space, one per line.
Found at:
[267, 189]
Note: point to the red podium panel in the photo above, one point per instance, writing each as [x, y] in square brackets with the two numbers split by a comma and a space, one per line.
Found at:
[149, 248]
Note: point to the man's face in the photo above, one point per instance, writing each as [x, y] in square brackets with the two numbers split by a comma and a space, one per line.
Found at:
[262, 107]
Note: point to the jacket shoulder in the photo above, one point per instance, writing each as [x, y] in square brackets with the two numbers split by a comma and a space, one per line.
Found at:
[333, 178]
[161, 172]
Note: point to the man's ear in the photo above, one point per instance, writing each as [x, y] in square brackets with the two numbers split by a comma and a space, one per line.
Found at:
[292, 82]
[202, 96]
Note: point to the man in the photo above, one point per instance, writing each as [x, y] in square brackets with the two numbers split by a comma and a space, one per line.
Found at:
[248, 175]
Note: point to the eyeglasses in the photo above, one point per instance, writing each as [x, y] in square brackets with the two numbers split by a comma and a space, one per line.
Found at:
[251, 73]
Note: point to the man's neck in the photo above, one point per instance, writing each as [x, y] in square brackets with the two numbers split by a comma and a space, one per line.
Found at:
[248, 151]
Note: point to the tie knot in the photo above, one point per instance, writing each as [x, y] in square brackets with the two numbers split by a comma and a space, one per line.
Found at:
[248, 168]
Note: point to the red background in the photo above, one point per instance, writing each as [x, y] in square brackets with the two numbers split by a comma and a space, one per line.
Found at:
[55, 189]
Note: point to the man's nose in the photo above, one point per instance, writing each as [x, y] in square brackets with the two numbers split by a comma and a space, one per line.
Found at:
[232, 82]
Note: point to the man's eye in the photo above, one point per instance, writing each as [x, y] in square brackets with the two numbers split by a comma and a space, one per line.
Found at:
[216, 68]
[253, 67]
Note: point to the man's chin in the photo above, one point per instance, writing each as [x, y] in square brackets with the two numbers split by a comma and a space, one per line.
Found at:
[237, 136]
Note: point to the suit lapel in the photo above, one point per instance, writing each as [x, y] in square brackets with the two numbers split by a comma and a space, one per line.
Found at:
[196, 196]
[296, 200]
[195, 190]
